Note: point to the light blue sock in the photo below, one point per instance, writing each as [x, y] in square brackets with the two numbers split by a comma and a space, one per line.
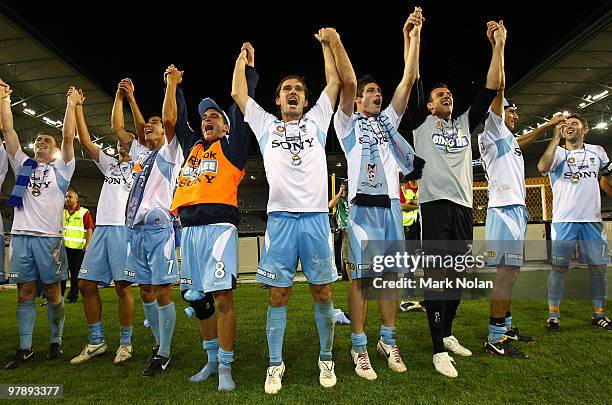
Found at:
[324, 318]
[599, 290]
[26, 317]
[226, 382]
[167, 319]
[387, 333]
[359, 342]
[497, 329]
[56, 316]
[152, 314]
[508, 321]
[96, 336]
[275, 332]
[556, 286]
[125, 335]
[212, 350]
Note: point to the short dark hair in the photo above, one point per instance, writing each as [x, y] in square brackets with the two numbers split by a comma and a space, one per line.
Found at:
[436, 86]
[51, 134]
[580, 118]
[288, 77]
[363, 82]
[154, 115]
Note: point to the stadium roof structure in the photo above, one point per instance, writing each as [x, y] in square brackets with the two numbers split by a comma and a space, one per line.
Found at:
[574, 77]
[40, 76]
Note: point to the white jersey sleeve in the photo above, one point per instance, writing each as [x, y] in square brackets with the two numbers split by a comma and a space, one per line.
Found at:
[105, 162]
[603, 156]
[321, 114]
[17, 160]
[258, 119]
[343, 124]
[558, 160]
[493, 128]
[390, 113]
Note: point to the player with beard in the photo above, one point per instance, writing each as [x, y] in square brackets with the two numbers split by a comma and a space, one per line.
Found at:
[574, 171]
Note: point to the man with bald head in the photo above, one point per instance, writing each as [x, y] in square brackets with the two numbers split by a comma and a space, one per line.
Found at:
[78, 229]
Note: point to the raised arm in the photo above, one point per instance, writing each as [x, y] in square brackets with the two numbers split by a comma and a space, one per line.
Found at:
[497, 57]
[412, 44]
[497, 106]
[344, 69]
[173, 77]
[548, 158]
[483, 100]
[334, 201]
[83, 132]
[118, 122]
[69, 128]
[127, 86]
[531, 137]
[8, 130]
[326, 36]
[240, 91]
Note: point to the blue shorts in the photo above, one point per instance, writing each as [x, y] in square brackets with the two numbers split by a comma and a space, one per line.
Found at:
[151, 254]
[591, 238]
[505, 235]
[106, 256]
[209, 257]
[292, 236]
[373, 224]
[34, 258]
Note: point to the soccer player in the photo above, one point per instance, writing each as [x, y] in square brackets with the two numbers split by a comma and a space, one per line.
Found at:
[206, 200]
[151, 250]
[293, 149]
[374, 149]
[445, 195]
[38, 197]
[507, 214]
[107, 254]
[574, 171]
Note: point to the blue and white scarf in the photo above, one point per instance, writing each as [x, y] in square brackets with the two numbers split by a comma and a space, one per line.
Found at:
[372, 188]
[21, 183]
[138, 188]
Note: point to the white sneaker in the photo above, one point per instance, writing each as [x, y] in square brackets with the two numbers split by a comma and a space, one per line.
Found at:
[274, 378]
[451, 343]
[124, 352]
[363, 368]
[327, 376]
[89, 352]
[391, 353]
[444, 364]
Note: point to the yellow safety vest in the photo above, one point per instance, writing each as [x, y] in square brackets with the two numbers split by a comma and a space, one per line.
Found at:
[409, 217]
[74, 229]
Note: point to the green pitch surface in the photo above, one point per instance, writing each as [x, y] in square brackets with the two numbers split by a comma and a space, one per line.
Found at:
[568, 367]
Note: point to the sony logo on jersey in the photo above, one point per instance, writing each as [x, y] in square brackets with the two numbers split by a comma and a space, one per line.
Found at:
[454, 144]
[378, 140]
[114, 180]
[294, 147]
[568, 175]
[39, 185]
[517, 152]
